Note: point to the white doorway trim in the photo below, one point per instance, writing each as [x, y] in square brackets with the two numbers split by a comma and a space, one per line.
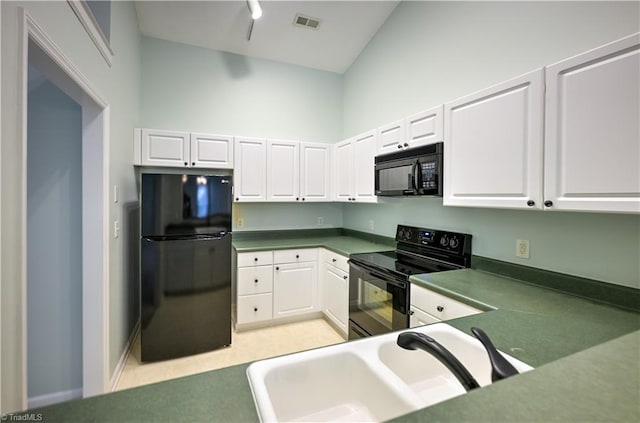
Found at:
[95, 218]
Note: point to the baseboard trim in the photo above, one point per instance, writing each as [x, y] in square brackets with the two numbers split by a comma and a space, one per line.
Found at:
[55, 398]
[115, 378]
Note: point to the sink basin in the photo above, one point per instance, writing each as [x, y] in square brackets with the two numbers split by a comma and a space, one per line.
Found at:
[371, 379]
[323, 385]
[429, 378]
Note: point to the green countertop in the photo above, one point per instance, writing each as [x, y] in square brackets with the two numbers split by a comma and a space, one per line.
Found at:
[586, 356]
[345, 245]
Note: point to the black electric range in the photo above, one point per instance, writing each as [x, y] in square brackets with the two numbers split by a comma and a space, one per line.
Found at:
[379, 294]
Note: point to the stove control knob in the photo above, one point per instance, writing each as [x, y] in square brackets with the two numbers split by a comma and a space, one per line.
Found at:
[409, 234]
[401, 233]
[444, 240]
[454, 242]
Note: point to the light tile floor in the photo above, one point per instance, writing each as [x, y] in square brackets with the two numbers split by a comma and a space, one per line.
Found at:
[245, 347]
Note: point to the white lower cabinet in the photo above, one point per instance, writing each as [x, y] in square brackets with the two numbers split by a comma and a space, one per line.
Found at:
[335, 290]
[254, 287]
[276, 287]
[255, 308]
[430, 307]
[295, 287]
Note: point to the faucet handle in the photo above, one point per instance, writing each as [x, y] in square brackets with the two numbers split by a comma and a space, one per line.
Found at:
[500, 367]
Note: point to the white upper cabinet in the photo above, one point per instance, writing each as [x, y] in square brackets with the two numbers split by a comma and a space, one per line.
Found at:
[424, 128]
[418, 129]
[365, 149]
[283, 170]
[493, 145]
[164, 148]
[354, 168]
[343, 170]
[391, 137]
[315, 171]
[592, 130]
[211, 151]
[249, 173]
[154, 147]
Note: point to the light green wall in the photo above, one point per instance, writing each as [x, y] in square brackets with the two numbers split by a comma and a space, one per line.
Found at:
[200, 90]
[428, 53]
[273, 216]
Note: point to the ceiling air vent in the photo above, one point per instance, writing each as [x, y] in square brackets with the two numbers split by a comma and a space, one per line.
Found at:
[306, 21]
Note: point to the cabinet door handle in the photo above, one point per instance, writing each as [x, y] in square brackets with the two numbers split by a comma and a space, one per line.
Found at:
[440, 308]
[297, 198]
[277, 268]
[333, 260]
[411, 312]
[297, 256]
[255, 309]
[399, 146]
[255, 280]
[531, 203]
[255, 259]
[186, 164]
[406, 145]
[345, 277]
[548, 203]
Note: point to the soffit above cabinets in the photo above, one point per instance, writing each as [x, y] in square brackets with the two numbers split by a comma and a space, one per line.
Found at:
[345, 28]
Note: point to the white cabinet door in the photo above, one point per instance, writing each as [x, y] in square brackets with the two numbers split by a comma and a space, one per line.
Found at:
[391, 137]
[283, 170]
[295, 287]
[250, 158]
[493, 146]
[343, 171]
[315, 172]
[211, 151]
[336, 296]
[164, 148]
[592, 130]
[365, 148]
[424, 127]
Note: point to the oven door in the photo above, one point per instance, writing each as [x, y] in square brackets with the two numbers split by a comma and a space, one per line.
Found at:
[378, 302]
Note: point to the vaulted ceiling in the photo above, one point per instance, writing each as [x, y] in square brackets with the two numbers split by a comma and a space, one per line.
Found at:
[345, 28]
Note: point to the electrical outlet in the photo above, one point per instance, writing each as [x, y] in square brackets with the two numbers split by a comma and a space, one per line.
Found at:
[522, 248]
[320, 220]
[240, 222]
[371, 225]
[116, 229]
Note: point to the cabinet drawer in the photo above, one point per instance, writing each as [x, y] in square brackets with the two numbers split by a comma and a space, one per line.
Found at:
[295, 256]
[418, 317]
[336, 260]
[255, 308]
[439, 306]
[255, 280]
[257, 258]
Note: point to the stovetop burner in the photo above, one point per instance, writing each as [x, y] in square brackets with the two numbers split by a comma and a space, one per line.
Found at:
[420, 250]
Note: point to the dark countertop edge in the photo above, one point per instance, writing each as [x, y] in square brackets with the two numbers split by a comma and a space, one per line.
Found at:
[608, 293]
[308, 233]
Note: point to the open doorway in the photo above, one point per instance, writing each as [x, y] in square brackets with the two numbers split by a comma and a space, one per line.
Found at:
[54, 243]
[65, 226]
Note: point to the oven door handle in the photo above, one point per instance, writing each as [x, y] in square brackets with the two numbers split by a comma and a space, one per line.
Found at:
[390, 279]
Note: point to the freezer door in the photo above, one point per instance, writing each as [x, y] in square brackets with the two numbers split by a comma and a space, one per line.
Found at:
[185, 296]
[185, 204]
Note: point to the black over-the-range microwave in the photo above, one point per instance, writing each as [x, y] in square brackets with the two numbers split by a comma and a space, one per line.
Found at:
[415, 171]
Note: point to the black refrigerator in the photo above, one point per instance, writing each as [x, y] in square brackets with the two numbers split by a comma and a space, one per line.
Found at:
[185, 252]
